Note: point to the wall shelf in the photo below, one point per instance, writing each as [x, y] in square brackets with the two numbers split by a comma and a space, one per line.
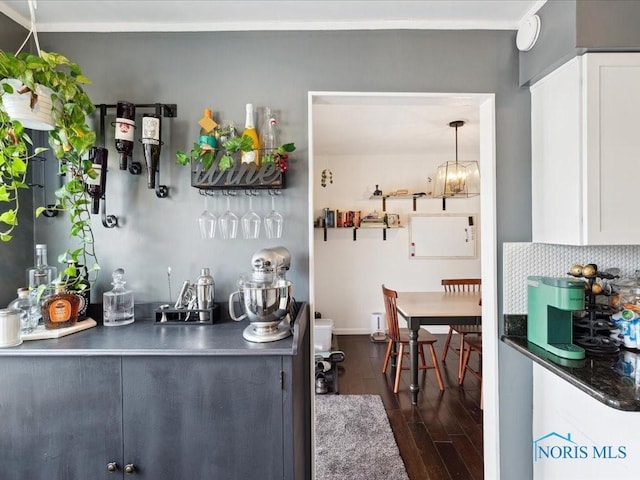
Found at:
[384, 198]
[384, 229]
[241, 176]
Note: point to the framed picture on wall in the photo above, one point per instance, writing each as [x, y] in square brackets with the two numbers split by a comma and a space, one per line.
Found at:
[393, 220]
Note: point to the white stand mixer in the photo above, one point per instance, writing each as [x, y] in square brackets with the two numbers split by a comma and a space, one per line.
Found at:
[265, 297]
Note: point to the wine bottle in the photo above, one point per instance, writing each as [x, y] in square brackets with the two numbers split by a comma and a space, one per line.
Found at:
[125, 126]
[96, 187]
[268, 136]
[207, 139]
[151, 144]
[251, 156]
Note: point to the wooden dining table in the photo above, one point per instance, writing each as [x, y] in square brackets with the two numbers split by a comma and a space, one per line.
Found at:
[435, 308]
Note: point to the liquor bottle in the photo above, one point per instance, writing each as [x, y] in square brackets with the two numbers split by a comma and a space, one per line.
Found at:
[151, 144]
[252, 156]
[60, 309]
[29, 313]
[207, 139]
[96, 187]
[41, 275]
[77, 281]
[118, 305]
[205, 290]
[268, 135]
[125, 126]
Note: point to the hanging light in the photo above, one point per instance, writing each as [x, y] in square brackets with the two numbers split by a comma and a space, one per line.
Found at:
[457, 179]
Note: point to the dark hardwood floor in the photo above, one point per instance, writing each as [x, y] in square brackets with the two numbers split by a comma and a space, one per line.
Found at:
[441, 437]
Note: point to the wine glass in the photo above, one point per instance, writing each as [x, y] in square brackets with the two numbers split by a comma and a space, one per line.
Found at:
[251, 222]
[207, 221]
[273, 221]
[228, 223]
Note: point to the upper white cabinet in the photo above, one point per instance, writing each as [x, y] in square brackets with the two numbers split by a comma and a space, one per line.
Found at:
[585, 136]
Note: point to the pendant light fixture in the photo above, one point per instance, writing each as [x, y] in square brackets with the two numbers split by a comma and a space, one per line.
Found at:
[456, 179]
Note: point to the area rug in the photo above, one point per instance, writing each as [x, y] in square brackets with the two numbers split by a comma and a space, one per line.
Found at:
[354, 440]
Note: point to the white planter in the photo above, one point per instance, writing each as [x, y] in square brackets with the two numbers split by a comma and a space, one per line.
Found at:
[18, 106]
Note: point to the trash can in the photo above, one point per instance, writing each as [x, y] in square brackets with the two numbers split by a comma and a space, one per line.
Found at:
[322, 331]
[378, 327]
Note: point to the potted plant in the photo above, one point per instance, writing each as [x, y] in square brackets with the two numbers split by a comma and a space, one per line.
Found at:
[70, 139]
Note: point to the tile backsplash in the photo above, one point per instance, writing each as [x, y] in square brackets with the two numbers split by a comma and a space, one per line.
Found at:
[523, 259]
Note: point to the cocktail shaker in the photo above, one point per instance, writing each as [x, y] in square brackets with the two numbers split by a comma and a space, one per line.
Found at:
[205, 293]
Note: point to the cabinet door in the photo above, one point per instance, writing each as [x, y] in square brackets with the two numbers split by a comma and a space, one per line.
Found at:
[61, 417]
[612, 139]
[556, 161]
[189, 418]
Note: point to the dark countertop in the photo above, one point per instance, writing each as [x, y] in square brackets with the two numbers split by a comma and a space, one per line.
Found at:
[144, 337]
[611, 380]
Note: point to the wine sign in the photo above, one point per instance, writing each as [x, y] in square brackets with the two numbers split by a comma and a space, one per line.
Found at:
[239, 176]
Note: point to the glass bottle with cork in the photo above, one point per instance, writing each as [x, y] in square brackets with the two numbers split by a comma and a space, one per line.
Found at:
[268, 136]
[118, 304]
[60, 310]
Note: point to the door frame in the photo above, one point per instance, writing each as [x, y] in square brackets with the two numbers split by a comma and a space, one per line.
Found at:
[488, 255]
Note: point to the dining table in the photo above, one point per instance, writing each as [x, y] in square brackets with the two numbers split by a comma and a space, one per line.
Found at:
[435, 308]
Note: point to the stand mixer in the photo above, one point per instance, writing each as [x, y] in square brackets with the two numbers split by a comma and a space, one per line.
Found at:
[265, 296]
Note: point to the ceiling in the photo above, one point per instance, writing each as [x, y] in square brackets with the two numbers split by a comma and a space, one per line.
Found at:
[244, 15]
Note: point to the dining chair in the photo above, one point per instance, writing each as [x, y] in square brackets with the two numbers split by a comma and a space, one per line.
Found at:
[472, 344]
[460, 285]
[400, 337]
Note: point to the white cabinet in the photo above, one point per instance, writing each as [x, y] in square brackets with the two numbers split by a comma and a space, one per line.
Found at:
[585, 136]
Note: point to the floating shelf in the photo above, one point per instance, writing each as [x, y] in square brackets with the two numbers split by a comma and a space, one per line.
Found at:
[241, 176]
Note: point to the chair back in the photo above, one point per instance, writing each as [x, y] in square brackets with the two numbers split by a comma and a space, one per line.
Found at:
[391, 311]
[461, 284]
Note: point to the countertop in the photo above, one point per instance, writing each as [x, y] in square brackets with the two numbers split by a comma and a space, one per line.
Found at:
[613, 380]
[145, 337]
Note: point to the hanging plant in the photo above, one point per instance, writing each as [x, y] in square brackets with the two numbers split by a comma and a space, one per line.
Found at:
[69, 140]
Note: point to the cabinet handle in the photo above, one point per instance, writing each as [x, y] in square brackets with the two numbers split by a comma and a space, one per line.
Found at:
[112, 466]
[129, 468]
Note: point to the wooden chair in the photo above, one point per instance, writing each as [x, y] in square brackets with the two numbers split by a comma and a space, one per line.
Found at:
[400, 337]
[472, 344]
[460, 285]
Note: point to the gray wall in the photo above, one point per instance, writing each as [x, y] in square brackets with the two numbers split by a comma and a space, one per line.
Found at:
[17, 255]
[224, 71]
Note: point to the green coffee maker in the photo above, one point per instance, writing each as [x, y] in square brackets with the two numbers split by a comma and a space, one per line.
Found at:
[550, 322]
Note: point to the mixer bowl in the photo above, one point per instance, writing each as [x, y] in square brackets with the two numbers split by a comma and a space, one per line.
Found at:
[262, 304]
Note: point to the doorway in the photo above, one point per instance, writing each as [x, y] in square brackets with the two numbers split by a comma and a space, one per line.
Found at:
[482, 106]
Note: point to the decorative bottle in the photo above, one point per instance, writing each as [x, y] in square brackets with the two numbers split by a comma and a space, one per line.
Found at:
[205, 292]
[60, 309]
[77, 281]
[29, 313]
[251, 156]
[41, 274]
[118, 305]
[125, 127]
[96, 187]
[268, 135]
[151, 145]
[207, 139]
